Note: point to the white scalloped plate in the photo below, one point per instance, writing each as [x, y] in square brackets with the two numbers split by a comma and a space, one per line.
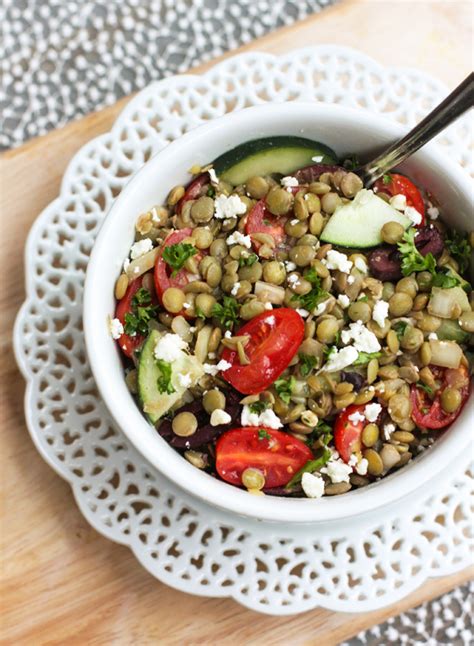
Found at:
[377, 560]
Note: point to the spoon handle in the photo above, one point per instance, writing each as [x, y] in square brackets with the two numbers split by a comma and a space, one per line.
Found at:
[453, 106]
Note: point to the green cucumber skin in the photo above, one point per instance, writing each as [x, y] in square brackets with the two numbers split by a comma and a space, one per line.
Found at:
[242, 162]
[451, 331]
[148, 372]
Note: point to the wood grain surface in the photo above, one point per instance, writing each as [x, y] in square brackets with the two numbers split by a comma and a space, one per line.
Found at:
[62, 583]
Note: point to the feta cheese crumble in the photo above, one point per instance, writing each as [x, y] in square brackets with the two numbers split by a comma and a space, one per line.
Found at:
[169, 347]
[350, 280]
[364, 339]
[228, 334]
[432, 336]
[184, 380]
[219, 416]
[361, 467]
[140, 248]
[388, 429]
[302, 312]
[290, 266]
[212, 176]
[413, 215]
[210, 369]
[380, 312]
[337, 470]
[313, 485]
[343, 300]
[293, 279]
[321, 308]
[361, 265]
[268, 306]
[433, 212]
[372, 411]
[239, 238]
[266, 418]
[356, 417]
[116, 328]
[398, 202]
[228, 207]
[289, 182]
[235, 289]
[337, 260]
[340, 359]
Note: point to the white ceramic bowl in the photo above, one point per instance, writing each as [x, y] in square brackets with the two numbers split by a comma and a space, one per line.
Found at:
[346, 131]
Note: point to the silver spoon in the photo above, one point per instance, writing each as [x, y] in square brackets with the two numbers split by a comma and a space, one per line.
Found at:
[453, 106]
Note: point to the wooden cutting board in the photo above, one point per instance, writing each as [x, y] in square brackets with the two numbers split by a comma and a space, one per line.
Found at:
[62, 583]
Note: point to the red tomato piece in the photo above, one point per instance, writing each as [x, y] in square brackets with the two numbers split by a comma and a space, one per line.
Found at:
[193, 191]
[347, 434]
[163, 278]
[128, 344]
[427, 412]
[401, 185]
[275, 337]
[278, 456]
[260, 220]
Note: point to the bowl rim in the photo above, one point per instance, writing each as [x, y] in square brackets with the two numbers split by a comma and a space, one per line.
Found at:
[168, 461]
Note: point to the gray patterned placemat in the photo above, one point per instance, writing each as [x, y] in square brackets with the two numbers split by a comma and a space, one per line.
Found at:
[62, 60]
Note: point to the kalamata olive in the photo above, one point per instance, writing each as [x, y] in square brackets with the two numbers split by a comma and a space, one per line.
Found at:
[429, 240]
[205, 432]
[311, 173]
[295, 491]
[353, 378]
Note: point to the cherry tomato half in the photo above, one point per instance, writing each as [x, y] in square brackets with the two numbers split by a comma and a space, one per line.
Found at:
[427, 412]
[193, 190]
[347, 434]
[128, 344]
[275, 337]
[401, 185]
[163, 278]
[260, 220]
[279, 456]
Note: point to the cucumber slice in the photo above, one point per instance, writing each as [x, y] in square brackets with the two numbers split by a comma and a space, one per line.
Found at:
[358, 223]
[450, 330]
[154, 403]
[270, 155]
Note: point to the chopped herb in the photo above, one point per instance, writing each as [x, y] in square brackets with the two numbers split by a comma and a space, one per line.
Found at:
[258, 407]
[310, 300]
[444, 280]
[284, 388]
[400, 327]
[387, 178]
[310, 467]
[425, 387]
[322, 432]
[211, 191]
[263, 434]
[337, 338]
[307, 363]
[460, 249]
[328, 351]
[351, 162]
[164, 381]
[199, 313]
[228, 312]
[363, 299]
[175, 255]
[412, 260]
[248, 261]
[136, 321]
[365, 357]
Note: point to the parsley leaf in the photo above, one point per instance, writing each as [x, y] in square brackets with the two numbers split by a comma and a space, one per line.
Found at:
[310, 300]
[322, 432]
[248, 261]
[211, 191]
[200, 314]
[460, 249]
[444, 280]
[365, 357]
[351, 162]
[387, 178]
[400, 327]
[307, 363]
[284, 388]
[310, 467]
[412, 259]
[328, 351]
[228, 312]
[263, 434]
[425, 387]
[164, 381]
[363, 299]
[136, 321]
[175, 255]
[257, 407]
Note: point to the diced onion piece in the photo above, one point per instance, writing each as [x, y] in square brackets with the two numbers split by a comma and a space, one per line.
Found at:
[180, 326]
[443, 302]
[267, 293]
[446, 354]
[142, 264]
[202, 343]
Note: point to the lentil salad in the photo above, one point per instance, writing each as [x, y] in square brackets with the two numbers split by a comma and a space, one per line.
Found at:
[296, 334]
